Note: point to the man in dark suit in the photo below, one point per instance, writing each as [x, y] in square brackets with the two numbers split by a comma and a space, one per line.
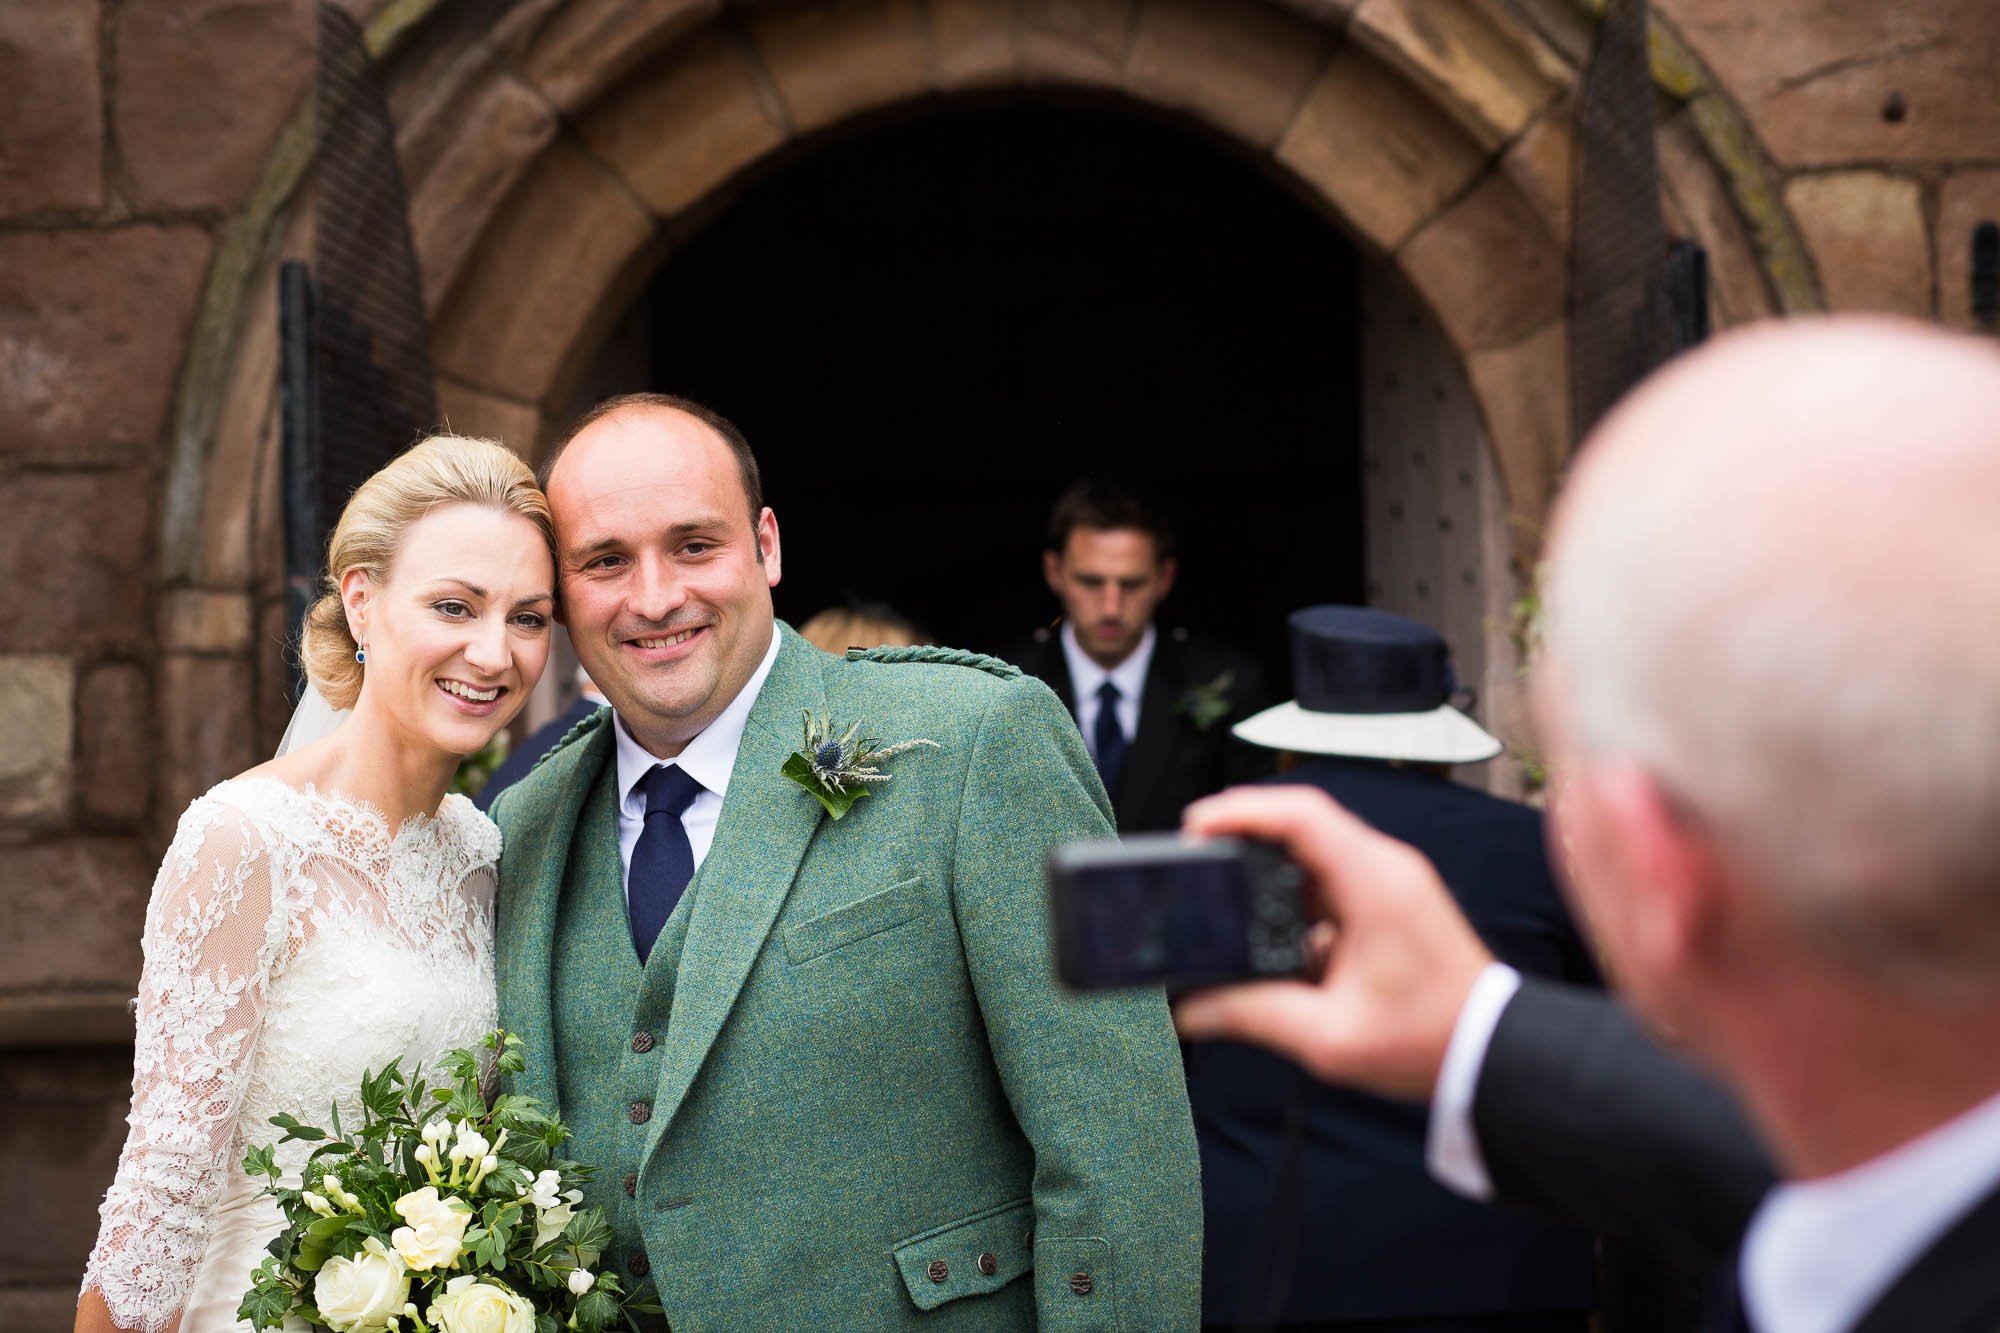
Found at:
[1155, 708]
[1769, 698]
[1380, 1244]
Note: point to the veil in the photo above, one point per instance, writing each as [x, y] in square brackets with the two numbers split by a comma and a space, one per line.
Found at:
[312, 719]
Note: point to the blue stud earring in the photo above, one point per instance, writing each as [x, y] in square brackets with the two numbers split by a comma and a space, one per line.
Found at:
[361, 654]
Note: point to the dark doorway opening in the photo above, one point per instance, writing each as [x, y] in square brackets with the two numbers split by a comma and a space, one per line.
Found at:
[927, 330]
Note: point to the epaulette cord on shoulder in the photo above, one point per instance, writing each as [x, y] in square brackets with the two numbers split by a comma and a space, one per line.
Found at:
[992, 666]
[588, 724]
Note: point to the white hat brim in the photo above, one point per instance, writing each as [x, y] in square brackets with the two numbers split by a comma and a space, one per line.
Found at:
[1442, 736]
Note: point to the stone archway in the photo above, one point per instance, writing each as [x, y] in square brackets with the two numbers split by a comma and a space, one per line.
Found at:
[556, 157]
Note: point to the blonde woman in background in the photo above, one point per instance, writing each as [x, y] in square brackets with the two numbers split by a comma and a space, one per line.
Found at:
[839, 628]
[331, 910]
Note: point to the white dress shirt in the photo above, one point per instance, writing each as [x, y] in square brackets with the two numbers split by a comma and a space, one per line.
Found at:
[1818, 1253]
[708, 759]
[1129, 676]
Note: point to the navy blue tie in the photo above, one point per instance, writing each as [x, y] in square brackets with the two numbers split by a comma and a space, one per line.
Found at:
[1110, 737]
[662, 860]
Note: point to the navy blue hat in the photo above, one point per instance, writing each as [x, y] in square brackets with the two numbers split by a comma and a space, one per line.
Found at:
[1371, 684]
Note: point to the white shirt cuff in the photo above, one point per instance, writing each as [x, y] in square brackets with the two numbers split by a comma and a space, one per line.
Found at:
[1451, 1149]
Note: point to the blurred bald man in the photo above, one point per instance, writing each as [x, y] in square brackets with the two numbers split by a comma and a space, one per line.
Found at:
[1772, 703]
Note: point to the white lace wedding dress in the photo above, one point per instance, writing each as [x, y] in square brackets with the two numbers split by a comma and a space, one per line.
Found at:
[293, 942]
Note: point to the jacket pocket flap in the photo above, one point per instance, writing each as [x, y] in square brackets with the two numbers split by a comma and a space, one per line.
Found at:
[856, 921]
[969, 1257]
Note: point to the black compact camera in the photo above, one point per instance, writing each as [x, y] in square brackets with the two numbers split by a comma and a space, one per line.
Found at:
[1158, 910]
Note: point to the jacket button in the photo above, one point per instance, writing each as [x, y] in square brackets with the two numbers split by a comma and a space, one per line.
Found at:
[989, 1264]
[939, 1270]
[1081, 1284]
[641, 1112]
[631, 1184]
[638, 1265]
[642, 1042]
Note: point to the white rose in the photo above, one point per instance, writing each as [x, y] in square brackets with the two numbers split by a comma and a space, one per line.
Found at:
[436, 1229]
[581, 1280]
[362, 1292]
[471, 1306]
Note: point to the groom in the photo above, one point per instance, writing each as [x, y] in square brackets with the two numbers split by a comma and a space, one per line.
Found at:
[821, 1065]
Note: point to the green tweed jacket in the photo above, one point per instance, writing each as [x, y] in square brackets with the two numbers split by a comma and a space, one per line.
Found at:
[874, 1108]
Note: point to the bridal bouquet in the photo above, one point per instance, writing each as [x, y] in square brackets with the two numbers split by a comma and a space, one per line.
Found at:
[437, 1212]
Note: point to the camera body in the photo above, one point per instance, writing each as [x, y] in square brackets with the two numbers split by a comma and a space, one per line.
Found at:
[1159, 910]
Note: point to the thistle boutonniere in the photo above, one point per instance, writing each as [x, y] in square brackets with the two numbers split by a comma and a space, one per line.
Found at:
[838, 769]
[1207, 704]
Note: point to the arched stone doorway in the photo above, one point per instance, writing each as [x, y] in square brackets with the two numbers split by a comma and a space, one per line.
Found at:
[556, 158]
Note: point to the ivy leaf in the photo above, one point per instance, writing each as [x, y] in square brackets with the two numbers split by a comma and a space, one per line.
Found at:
[316, 1246]
[261, 1162]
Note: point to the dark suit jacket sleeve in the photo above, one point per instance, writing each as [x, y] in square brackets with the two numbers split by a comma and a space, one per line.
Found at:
[1093, 1080]
[1243, 762]
[1581, 1115]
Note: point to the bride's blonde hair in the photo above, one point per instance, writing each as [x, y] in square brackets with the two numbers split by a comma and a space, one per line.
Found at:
[437, 470]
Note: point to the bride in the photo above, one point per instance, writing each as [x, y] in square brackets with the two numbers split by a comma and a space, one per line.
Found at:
[332, 910]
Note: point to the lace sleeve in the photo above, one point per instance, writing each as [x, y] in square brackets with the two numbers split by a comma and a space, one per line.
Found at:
[216, 926]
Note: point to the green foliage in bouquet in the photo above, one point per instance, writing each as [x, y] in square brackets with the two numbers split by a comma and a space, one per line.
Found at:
[438, 1212]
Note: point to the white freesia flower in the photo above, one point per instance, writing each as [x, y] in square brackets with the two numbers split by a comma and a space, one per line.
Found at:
[436, 1229]
[549, 1222]
[546, 1189]
[581, 1280]
[363, 1292]
[469, 1305]
[471, 1145]
[317, 1204]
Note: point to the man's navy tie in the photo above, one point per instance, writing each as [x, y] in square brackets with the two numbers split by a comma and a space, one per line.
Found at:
[1110, 737]
[662, 860]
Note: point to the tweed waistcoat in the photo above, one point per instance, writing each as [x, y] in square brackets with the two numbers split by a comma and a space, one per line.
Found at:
[610, 1017]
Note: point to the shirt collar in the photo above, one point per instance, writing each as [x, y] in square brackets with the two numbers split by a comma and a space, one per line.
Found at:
[1820, 1252]
[1129, 675]
[711, 755]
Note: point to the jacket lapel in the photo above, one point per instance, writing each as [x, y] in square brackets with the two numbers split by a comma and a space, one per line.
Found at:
[531, 879]
[1149, 762]
[762, 836]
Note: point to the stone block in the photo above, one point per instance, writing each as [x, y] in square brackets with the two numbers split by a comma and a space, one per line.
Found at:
[590, 45]
[1738, 292]
[207, 721]
[973, 44]
[468, 411]
[483, 149]
[91, 329]
[114, 750]
[1966, 199]
[79, 546]
[1240, 67]
[1868, 239]
[569, 233]
[197, 620]
[691, 123]
[1813, 76]
[1487, 71]
[51, 108]
[1076, 41]
[1541, 164]
[1523, 390]
[831, 60]
[71, 914]
[1380, 152]
[202, 87]
[62, 1125]
[1488, 267]
[37, 736]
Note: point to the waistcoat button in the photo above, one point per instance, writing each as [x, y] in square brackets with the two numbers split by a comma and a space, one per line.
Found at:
[631, 1184]
[642, 1042]
[1081, 1284]
[641, 1112]
[638, 1265]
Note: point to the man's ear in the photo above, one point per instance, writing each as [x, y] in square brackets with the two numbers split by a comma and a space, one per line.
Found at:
[1667, 881]
[767, 547]
[1052, 572]
[356, 590]
[1169, 567]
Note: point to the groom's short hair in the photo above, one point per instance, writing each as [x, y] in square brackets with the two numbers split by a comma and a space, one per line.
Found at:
[746, 461]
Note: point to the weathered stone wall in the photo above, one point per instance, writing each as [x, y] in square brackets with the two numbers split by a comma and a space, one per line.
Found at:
[1827, 154]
